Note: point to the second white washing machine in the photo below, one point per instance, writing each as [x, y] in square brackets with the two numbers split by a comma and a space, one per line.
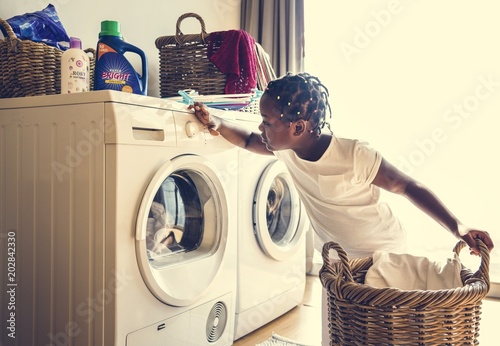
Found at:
[272, 226]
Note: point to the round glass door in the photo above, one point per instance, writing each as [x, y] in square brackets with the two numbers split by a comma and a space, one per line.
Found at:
[175, 220]
[277, 214]
[181, 230]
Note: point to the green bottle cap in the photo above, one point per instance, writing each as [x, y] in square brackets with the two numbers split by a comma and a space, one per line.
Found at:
[110, 28]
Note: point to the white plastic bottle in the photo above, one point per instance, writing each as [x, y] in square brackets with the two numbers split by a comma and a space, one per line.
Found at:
[75, 68]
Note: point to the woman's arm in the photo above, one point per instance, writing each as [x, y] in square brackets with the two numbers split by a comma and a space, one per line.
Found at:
[237, 135]
[393, 180]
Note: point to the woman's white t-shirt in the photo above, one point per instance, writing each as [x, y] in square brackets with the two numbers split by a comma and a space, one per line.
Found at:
[341, 202]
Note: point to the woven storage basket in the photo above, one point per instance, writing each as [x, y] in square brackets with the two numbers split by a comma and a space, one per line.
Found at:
[184, 63]
[30, 68]
[360, 314]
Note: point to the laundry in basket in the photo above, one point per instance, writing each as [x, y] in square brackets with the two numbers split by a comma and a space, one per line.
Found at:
[409, 272]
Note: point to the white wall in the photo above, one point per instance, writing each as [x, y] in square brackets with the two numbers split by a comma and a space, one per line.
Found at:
[399, 71]
[141, 21]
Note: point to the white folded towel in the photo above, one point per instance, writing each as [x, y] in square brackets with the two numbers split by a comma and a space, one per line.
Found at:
[409, 272]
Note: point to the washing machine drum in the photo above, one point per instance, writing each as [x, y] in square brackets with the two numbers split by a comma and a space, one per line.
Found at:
[181, 230]
[279, 221]
[175, 221]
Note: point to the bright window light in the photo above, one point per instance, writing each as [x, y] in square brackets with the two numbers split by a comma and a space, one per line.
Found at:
[420, 81]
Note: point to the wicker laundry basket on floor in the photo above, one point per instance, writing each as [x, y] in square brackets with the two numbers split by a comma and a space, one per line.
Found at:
[360, 314]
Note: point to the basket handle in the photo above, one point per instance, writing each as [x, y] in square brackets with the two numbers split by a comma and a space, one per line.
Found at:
[482, 272]
[178, 32]
[90, 51]
[8, 29]
[344, 260]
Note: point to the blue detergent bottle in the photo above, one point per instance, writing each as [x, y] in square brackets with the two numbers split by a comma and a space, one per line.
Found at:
[113, 71]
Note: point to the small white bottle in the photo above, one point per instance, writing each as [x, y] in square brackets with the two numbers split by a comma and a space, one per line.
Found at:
[75, 68]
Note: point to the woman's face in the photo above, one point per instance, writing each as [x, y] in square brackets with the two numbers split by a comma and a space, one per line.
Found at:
[276, 133]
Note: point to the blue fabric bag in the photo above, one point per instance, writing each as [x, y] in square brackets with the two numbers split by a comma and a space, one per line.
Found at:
[40, 26]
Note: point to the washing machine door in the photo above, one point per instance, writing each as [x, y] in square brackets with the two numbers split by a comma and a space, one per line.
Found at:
[181, 230]
[279, 221]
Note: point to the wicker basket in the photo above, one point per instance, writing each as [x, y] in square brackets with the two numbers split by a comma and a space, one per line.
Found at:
[360, 314]
[29, 68]
[184, 63]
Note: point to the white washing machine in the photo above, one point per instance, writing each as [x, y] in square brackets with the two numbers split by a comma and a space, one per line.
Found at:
[272, 226]
[121, 212]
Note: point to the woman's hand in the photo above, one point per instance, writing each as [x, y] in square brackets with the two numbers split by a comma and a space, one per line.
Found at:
[203, 115]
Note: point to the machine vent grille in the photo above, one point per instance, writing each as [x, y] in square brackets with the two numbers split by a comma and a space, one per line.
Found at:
[216, 322]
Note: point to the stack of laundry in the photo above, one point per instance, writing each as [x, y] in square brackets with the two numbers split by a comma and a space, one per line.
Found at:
[225, 101]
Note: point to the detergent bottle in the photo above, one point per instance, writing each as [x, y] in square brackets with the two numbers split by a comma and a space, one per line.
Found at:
[113, 71]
